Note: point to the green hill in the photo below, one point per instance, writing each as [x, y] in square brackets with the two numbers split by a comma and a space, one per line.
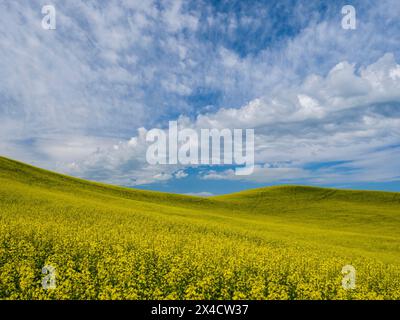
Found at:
[108, 242]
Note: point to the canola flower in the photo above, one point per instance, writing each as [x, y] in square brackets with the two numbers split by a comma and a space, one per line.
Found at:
[110, 243]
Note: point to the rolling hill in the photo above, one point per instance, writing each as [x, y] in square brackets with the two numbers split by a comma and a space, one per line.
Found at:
[109, 242]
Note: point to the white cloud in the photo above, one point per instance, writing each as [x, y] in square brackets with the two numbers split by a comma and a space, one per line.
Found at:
[200, 194]
[262, 174]
[293, 128]
[180, 174]
[72, 98]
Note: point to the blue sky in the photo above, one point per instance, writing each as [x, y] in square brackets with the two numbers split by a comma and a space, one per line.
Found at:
[324, 102]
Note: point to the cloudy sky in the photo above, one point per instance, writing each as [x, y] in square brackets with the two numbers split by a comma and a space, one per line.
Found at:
[324, 101]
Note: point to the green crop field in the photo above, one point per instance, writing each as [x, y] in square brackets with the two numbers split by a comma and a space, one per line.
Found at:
[108, 242]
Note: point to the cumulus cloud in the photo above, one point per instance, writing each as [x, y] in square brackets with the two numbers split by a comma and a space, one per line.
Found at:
[321, 120]
[180, 174]
[262, 173]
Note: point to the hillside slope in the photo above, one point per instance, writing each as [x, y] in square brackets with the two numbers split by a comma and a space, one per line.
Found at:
[117, 243]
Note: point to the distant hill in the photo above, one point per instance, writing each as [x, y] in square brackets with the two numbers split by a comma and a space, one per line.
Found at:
[108, 242]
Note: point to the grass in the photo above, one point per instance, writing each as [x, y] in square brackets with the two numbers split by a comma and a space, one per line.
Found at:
[109, 242]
